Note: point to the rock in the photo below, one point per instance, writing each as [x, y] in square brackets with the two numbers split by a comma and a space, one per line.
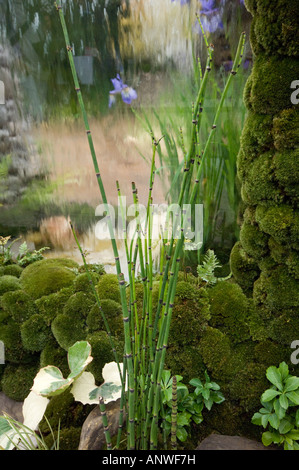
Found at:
[92, 433]
[11, 407]
[219, 442]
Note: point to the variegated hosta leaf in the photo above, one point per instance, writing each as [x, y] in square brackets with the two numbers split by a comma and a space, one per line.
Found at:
[82, 388]
[107, 391]
[50, 382]
[79, 356]
[34, 407]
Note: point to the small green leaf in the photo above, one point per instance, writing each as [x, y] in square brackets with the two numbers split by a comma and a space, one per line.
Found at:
[257, 419]
[181, 434]
[267, 438]
[283, 401]
[294, 397]
[195, 383]
[292, 383]
[274, 421]
[274, 376]
[285, 426]
[284, 370]
[79, 356]
[269, 394]
[279, 410]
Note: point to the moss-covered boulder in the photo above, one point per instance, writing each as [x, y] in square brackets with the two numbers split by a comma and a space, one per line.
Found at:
[18, 379]
[108, 288]
[112, 311]
[47, 276]
[230, 311]
[9, 283]
[35, 333]
[190, 315]
[19, 305]
[12, 270]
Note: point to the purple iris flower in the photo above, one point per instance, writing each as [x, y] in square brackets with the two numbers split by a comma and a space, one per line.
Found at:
[127, 93]
[210, 17]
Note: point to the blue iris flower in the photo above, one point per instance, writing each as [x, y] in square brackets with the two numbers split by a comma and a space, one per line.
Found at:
[127, 93]
[210, 17]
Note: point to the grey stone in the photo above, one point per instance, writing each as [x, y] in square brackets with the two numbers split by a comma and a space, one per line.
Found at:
[11, 407]
[92, 433]
[220, 442]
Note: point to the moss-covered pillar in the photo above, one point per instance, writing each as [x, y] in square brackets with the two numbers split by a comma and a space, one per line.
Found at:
[265, 261]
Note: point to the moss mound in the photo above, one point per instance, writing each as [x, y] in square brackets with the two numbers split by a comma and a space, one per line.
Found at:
[9, 283]
[47, 276]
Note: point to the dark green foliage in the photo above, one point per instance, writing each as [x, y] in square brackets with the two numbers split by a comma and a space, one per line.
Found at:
[79, 305]
[113, 313]
[244, 268]
[10, 335]
[216, 352]
[69, 439]
[268, 89]
[102, 353]
[18, 379]
[259, 186]
[82, 282]
[108, 288]
[281, 222]
[275, 27]
[9, 283]
[65, 410]
[47, 276]
[190, 315]
[254, 242]
[13, 270]
[35, 333]
[19, 305]
[53, 354]
[256, 138]
[286, 129]
[68, 330]
[277, 289]
[248, 385]
[230, 311]
[52, 305]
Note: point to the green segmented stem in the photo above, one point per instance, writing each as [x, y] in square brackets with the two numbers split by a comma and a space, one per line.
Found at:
[174, 414]
[105, 424]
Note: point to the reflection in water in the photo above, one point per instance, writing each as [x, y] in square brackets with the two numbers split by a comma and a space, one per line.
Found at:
[151, 44]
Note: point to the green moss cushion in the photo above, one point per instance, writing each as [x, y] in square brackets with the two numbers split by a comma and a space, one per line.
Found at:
[47, 276]
[9, 283]
[267, 90]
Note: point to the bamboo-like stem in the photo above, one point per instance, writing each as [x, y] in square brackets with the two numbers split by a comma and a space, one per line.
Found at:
[174, 414]
[105, 424]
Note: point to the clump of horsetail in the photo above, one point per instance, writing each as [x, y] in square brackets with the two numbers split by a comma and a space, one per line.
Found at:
[146, 335]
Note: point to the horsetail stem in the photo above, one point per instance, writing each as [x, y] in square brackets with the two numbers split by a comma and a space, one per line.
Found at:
[174, 414]
[105, 424]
